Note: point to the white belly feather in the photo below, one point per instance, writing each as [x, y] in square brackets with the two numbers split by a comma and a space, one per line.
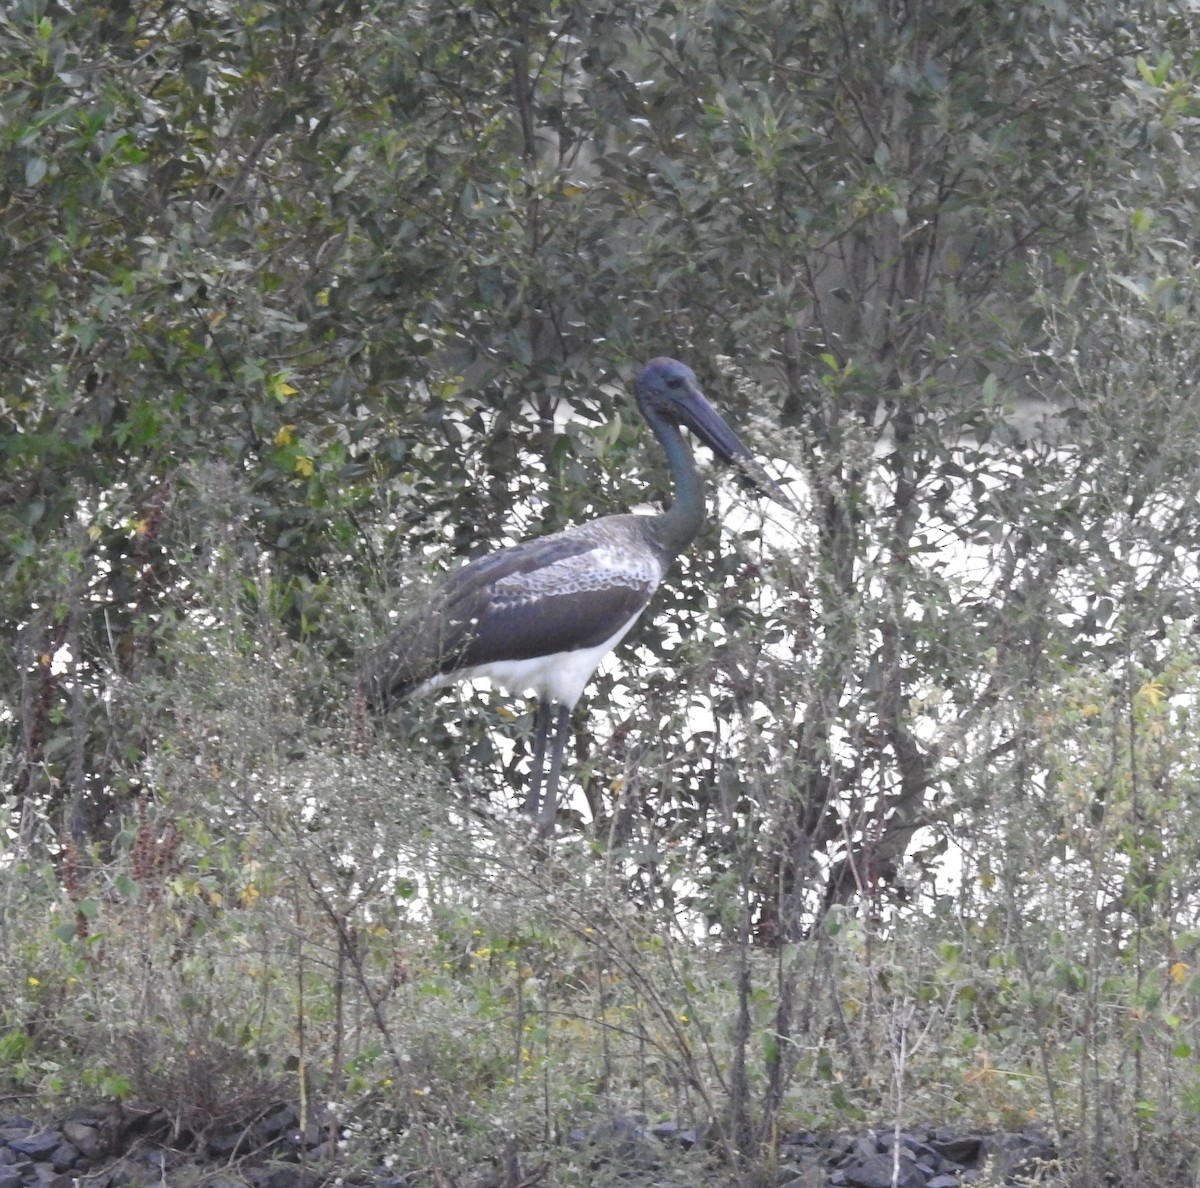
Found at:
[561, 676]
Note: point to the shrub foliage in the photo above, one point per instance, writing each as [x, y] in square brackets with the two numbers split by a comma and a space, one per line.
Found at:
[886, 808]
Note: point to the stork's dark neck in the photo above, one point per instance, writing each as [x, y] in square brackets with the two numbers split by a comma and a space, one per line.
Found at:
[678, 525]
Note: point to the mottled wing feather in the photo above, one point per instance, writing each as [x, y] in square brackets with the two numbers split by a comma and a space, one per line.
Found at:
[555, 594]
[516, 626]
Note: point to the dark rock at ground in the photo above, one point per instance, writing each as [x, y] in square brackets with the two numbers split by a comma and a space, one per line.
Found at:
[1016, 1154]
[806, 1169]
[672, 1132]
[46, 1177]
[278, 1122]
[918, 1150]
[862, 1146]
[929, 1158]
[958, 1150]
[624, 1140]
[36, 1146]
[295, 1139]
[141, 1119]
[132, 1145]
[85, 1137]
[64, 1156]
[225, 1144]
[285, 1177]
[802, 1138]
[879, 1171]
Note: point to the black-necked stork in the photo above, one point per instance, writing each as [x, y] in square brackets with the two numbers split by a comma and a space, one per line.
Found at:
[539, 616]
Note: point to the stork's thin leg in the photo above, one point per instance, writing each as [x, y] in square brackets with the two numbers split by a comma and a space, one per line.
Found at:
[541, 725]
[550, 803]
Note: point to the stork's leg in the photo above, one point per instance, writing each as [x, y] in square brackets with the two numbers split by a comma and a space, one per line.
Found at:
[550, 803]
[541, 725]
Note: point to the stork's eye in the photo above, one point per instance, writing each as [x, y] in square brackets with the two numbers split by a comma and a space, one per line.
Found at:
[675, 381]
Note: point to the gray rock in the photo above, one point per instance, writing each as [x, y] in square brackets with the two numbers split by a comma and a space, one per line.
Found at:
[1011, 1154]
[44, 1176]
[85, 1136]
[226, 1143]
[964, 1151]
[278, 1121]
[143, 1118]
[97, 1113]
[673, 1132]
[63, 1157]
[920, 1150]
[303, 1140]
[863, 1146]
[804, 1169]
[876, 1172]
[280, 1177]
[37, 1146]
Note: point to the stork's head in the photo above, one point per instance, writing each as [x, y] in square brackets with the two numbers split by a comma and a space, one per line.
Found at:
[667, 391]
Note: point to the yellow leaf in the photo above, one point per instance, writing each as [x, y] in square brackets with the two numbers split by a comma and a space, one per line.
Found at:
[304, 465]
[1179, 971]
[323, 297]
[279, 388]
[141, 527]
[285, 436]
[1153, 692]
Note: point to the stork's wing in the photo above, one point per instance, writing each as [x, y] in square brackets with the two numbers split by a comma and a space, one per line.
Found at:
[555, 594]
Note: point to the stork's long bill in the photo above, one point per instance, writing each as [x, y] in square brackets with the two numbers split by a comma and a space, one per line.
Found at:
[540, 615]
[709, 426]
